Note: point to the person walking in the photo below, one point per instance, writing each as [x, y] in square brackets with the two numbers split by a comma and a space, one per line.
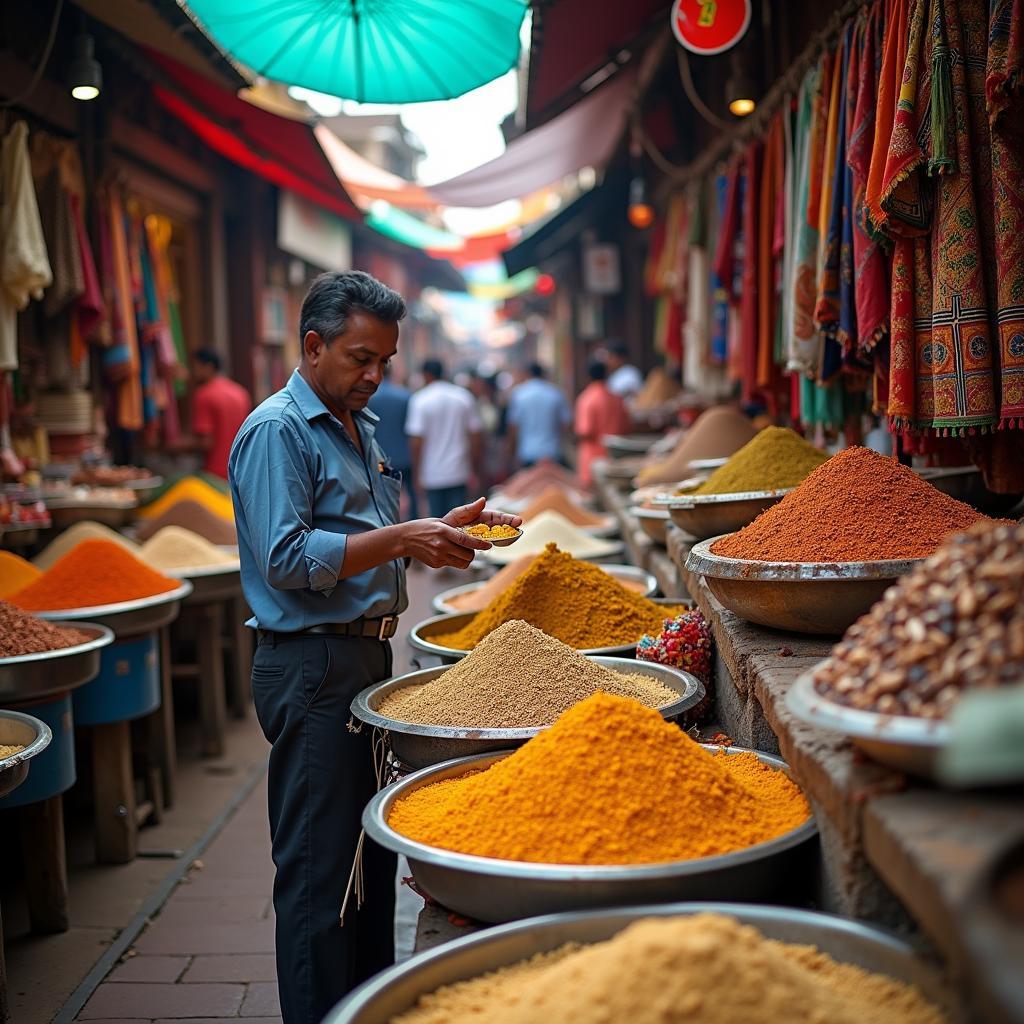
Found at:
[445, 437]
[322, 557]
[598, 413]
[538, 416]
[390, 403]
[624, 379]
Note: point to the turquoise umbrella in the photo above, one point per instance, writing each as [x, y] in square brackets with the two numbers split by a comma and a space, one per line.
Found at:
[373, 51]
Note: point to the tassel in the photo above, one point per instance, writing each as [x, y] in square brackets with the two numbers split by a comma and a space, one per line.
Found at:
[943, 158]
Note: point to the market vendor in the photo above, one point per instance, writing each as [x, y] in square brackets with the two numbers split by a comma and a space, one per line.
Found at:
[316, 503]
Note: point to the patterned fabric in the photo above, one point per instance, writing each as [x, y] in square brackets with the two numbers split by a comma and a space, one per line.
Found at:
[943, 370]
[719, 291]
[767, 261]
[749, 302]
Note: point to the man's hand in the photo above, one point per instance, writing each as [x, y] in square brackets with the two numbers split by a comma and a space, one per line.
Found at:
[474, 512]
[439, 544]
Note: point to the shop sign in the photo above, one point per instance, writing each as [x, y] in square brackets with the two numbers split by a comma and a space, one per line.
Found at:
[312, 234]
[601, 271]
[710, 26]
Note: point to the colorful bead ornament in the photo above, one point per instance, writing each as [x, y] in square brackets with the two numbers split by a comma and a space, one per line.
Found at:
[684, 643]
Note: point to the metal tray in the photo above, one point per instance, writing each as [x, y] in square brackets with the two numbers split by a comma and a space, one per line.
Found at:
[614, 550]
[441, 601]
[17, 727]
[910, 745]
[705, 465]
[709, 515]
[31, 677]
[503, 890]
[823, 598]
[419, 746]
[209, 583]
[128, 618]
[653, 521]
[621, 469]
[452, 622]
[397, 989]
[622, 446]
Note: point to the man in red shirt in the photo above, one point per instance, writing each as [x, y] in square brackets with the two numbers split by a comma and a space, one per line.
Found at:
[219, 407]
[598, 413]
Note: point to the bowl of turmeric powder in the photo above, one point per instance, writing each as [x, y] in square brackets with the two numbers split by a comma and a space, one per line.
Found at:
[609, 806]
[500, 535]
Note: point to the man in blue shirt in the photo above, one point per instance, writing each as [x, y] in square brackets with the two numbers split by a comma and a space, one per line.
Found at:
[538, 413]
[322, 552]
[391, 405]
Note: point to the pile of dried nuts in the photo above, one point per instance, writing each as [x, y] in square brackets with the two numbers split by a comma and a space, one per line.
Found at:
[955, 623]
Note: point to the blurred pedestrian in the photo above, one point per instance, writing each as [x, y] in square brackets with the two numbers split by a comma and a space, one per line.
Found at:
[391, 404]
[598, 413]
[624, 379]
[493, 419]
[445, 438]
[538, 416]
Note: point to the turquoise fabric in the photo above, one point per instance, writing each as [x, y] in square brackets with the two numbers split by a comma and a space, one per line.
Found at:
[378, 51]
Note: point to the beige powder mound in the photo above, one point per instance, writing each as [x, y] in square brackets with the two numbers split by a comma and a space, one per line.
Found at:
[73, 536]
[551, 528]
[176, 548]
[706, 967]
[517, 677]
[556, 499]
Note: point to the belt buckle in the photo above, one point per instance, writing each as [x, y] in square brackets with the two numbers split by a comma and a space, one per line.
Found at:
[385, 623]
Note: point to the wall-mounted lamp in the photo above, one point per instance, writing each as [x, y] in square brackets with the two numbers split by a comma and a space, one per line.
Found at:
[639, 212]
[740, 89]
[85, 76]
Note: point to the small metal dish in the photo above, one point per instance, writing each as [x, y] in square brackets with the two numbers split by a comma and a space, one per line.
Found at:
[18, 729]
[420, 635]
[823, 598]
[653, 521]
[502, 890]
[910, 745]
[709, 515]
[399, 988]
[649, 586]
[501, 542]
[128, 618]
[419, 746]
[32, 677]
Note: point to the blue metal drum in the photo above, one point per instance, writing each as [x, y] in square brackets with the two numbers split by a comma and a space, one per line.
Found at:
[128, 685]
[53, 771]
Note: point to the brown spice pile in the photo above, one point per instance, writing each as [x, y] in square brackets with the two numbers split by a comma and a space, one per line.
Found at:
[191, 515]
[518, 677]
[858, 507]
[705, 967]
[955, 623]
[21, 633]
[556, 499]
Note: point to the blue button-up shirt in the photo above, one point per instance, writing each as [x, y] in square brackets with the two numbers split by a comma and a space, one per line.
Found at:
[300, 489]
[539, 411]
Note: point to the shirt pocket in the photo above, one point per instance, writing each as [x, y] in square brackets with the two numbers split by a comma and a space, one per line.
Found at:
[391, 489]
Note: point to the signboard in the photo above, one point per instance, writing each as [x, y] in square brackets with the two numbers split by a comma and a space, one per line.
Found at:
[601, 272]
[710, 26]
[312, 234]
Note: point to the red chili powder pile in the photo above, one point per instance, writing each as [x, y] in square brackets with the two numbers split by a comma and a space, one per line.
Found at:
[858, 507]
[93, 573]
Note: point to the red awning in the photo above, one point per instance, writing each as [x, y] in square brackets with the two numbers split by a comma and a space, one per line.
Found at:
[572, 42]
[283, 152]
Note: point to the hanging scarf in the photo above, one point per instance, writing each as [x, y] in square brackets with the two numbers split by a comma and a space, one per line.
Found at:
[719, 292]
[771, 187]
[871, 271]
[730, 225]
[749, 302]
[894, 57]
[946, 323]
[803, 346]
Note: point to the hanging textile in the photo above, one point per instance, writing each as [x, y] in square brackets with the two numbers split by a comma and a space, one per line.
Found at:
[942, 341]
[769, 251]
[719, 293]
[847, 330]
[749, 301]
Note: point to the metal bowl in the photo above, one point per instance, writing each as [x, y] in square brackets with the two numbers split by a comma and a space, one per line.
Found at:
[32, 677]
[419, 746]
[614, 549]
[822, 598]
[65, 512]
[17, 728]
[622, 446]
[502, 890]
[129, 618]
[706, 465]
[622, 469]
[420, 635]
[910, 745]
[500, 542]
[210, 582]
[441, 602]
[709, 515]
[966, 484]
[396, 990]
[653, 521]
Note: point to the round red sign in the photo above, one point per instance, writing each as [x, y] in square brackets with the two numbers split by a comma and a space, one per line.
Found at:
[710, 26]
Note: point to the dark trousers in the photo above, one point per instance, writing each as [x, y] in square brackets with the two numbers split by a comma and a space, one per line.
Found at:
[443, 499]
[320, 779]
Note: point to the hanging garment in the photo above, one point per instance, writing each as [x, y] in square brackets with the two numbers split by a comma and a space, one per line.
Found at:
[718, 290]
[24, 263]
[749, 301]
[768, 257]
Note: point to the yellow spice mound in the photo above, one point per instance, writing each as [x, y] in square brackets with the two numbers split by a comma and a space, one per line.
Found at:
[611, 782]
[16, 573]
[704, 968]
[776, 458]
[571, 600]
[191, 488]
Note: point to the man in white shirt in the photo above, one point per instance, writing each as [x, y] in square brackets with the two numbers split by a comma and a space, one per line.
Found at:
[444, 431]
[538, 415]
[624, 379]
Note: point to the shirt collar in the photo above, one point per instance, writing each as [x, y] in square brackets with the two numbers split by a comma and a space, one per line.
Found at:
[310, 404]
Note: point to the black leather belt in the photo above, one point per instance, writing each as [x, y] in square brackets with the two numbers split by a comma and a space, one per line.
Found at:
[374, 629]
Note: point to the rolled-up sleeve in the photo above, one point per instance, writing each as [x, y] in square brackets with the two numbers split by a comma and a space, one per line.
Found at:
[271, 477]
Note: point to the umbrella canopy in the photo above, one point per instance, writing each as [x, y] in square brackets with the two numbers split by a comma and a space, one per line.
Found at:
[373, 51]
